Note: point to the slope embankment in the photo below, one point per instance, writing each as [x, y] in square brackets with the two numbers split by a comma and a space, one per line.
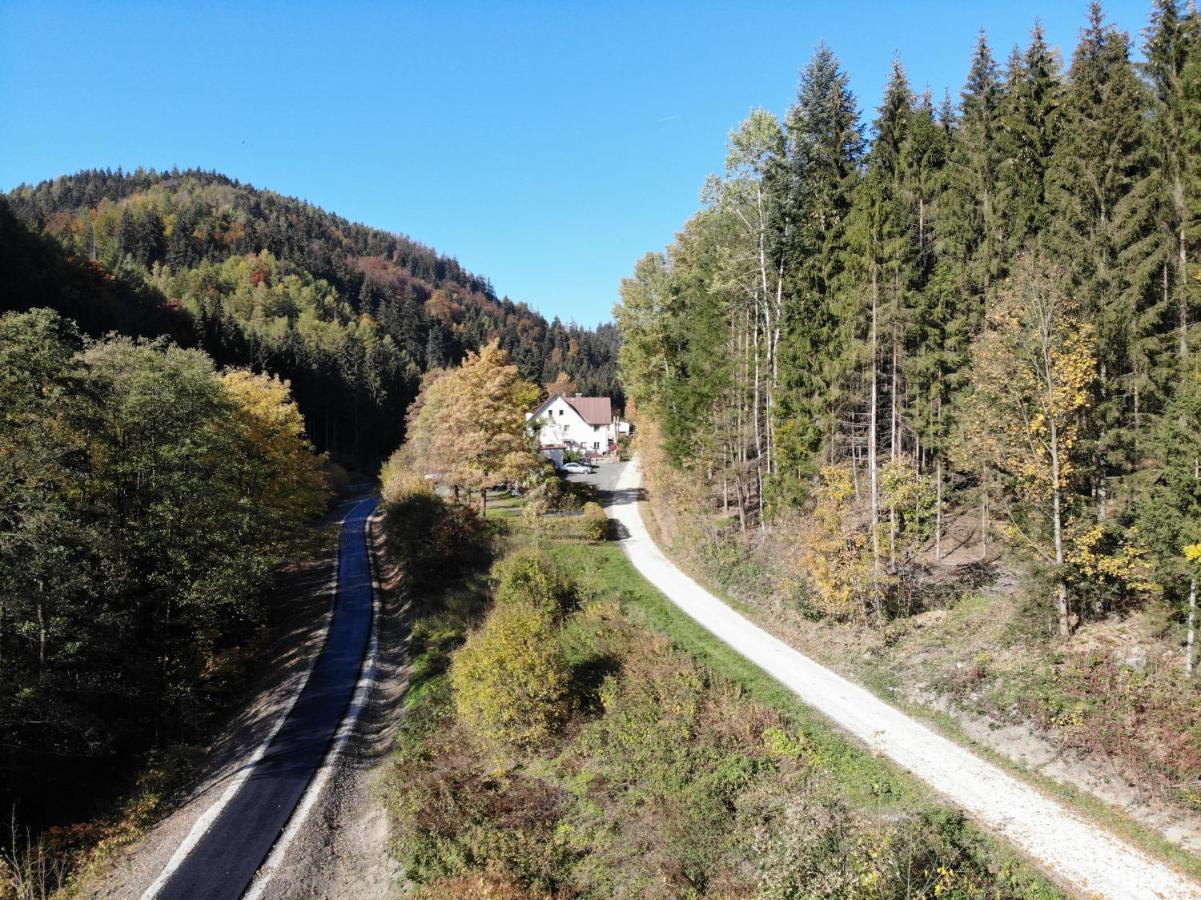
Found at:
[1079, 855]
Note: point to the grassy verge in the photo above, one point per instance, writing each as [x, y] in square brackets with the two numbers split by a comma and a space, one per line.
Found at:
[886, 682]
[682, 770]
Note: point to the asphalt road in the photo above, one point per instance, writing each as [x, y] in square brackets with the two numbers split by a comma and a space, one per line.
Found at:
[605, 477]
[224, 860]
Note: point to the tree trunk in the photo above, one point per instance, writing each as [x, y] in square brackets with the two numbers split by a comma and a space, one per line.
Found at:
[1191, 640]
[1182, 279]
[983, 516]
[894, 427]
[872, 461]
[41, 636]
[938, 512]
[1061, 588]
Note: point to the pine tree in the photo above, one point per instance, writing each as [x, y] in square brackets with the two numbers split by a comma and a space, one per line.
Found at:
[1027, 134]
[1167, 193]
[936, 348]
[971, 228]
[1097, 162]
[880, 255]
[1170, 515]
[824, 148]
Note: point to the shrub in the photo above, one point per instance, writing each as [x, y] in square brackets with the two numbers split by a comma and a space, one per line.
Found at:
[427, 536]
[510, 680]
[596, 523]
[533, 577]
[548, 493]
[835, 549]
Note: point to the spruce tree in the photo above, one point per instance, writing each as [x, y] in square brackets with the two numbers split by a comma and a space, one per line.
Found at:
[970, 226]
[1027, 134]
[1098, 160]
[824, 148]
[880, 260]
[1167, 194]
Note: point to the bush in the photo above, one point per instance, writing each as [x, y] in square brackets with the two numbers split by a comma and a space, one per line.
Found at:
[457, 816]
[510, 680]
[548, 493]
[596, 523]
[533, 577]
[428, 537]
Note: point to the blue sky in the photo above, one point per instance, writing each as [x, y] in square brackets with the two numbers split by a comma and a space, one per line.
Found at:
[546, 145]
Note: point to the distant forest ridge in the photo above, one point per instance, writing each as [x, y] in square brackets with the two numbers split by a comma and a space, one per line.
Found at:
[352, 315]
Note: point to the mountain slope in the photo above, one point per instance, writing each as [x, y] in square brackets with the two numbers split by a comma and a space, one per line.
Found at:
[351, 314]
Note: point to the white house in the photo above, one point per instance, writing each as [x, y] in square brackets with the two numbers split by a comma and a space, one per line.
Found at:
[582, 424]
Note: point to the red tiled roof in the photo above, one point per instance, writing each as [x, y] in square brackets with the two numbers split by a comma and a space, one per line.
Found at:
[593, 410]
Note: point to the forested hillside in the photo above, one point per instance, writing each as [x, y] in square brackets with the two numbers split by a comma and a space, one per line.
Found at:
[147, 500]
[877, 357]
[351, 315]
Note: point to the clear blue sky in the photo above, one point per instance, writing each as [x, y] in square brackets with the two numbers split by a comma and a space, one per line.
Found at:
[546, 145]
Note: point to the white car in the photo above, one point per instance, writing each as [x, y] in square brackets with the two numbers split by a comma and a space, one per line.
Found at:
[576, 468]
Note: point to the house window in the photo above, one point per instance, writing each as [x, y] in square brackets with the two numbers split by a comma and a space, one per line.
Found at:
[596, 445]
[595, 428]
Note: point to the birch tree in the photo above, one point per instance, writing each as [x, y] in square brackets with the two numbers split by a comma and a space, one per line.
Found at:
[1032, 372]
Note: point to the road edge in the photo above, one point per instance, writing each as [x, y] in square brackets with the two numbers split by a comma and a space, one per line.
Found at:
[358, 703]
[206, 819]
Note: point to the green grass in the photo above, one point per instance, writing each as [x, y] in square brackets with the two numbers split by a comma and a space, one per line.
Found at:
[502, 505]
[883, 682]
[863, 779]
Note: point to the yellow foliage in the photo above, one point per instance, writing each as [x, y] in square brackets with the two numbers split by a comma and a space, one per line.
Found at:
[271, 425]
[510, 679]
[467, 427]
[1192, 553]
[1033, 369]
[398, 481]
[835, 547]
[910, 498]
[1131, 566]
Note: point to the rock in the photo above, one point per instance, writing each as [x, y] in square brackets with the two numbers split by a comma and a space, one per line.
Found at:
[1133, 657]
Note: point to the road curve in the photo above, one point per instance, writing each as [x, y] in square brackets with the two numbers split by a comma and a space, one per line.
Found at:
[226, 856]
[1083, 858]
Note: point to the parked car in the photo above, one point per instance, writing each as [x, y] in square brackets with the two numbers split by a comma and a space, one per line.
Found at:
[576, 468]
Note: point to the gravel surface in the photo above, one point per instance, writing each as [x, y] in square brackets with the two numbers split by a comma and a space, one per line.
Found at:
[1080, 856]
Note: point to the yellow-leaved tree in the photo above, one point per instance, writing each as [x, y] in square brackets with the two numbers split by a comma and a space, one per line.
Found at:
[1032, 370]
[562, 386]
[467, 428]
[835, 549]
[287, 472]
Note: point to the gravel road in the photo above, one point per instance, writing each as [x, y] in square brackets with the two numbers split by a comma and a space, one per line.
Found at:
[1081, 857]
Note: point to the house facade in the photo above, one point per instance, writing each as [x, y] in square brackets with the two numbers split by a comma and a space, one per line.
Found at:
[580, 424]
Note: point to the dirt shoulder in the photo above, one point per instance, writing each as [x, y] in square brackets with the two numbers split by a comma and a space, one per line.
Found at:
[300, 607]
[342, 847]
[341, 850]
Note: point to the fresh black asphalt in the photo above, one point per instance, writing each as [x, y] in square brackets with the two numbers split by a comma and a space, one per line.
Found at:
[224, 860]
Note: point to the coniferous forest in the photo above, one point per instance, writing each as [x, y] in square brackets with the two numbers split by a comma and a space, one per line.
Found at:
[953, 354]
[988, 303]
